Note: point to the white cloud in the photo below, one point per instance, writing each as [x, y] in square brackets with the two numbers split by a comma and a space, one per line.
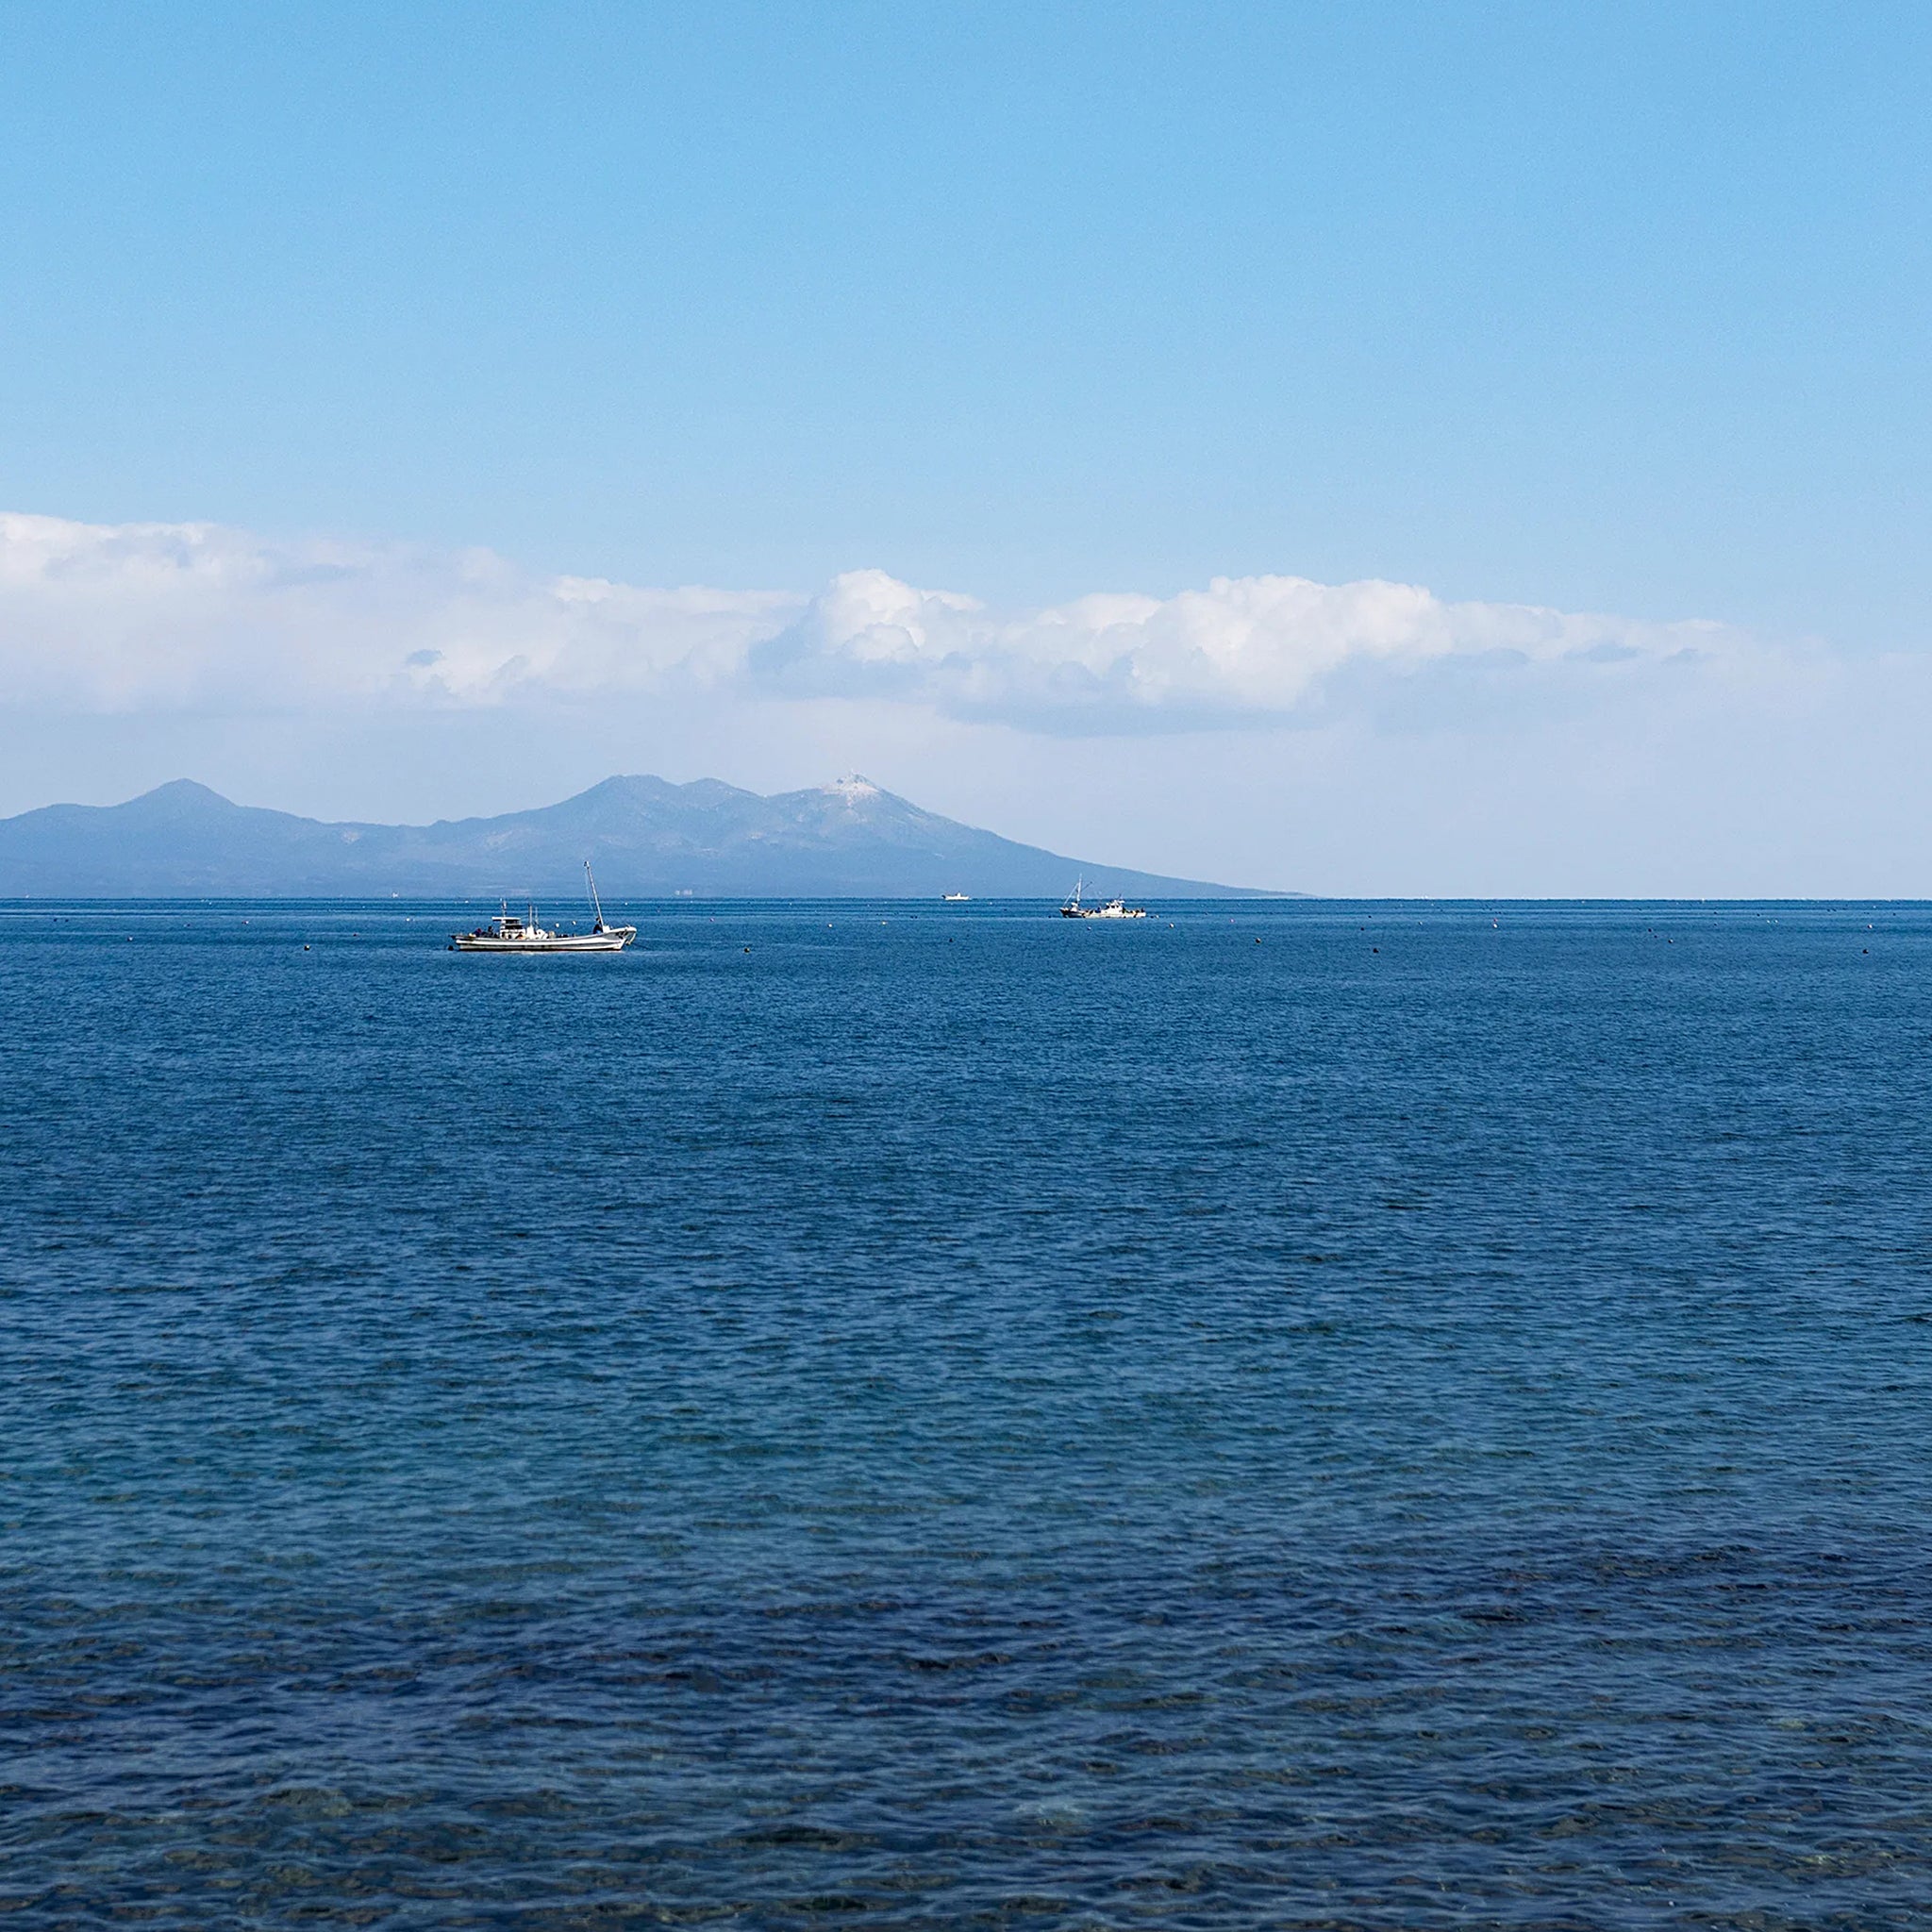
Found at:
[1242, 649]
[135, 617]
[197, 617]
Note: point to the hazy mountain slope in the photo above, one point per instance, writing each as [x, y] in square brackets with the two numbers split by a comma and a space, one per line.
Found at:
[647, 838]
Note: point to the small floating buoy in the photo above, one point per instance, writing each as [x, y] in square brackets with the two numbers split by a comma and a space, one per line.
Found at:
[304, 949]
[747, 949]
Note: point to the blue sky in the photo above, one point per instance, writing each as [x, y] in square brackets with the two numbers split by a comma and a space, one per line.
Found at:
[1598, 310]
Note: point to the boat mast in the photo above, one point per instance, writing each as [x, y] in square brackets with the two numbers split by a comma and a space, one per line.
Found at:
[596, 903]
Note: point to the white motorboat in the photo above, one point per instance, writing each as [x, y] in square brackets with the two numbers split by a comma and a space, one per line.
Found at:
[1108, 909]
[507, 933]
[957, 898]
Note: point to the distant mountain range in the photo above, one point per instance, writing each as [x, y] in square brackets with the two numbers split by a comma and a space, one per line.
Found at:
[648, 838]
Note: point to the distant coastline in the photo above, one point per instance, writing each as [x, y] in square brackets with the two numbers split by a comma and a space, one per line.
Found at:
[650, 840]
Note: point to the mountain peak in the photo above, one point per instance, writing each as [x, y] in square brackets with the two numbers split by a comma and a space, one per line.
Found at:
[180, 798]
[853, 789]
[181, 792]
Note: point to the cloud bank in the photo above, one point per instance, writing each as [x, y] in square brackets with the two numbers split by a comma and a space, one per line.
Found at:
[1348, 738]
[142, 618]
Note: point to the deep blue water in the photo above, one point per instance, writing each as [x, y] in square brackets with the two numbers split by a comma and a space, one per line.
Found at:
[953, 1418]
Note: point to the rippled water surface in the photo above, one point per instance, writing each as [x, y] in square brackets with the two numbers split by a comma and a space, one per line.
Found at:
[1301, 1416]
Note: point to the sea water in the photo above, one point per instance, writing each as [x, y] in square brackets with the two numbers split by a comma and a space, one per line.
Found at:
[1278, 1414]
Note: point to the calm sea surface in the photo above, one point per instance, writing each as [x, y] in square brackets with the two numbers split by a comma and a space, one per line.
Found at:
[1307, 1415]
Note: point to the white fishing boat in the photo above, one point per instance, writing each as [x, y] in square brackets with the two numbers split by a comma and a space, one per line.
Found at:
[957, 898]
[1108, 909]
[507, 933]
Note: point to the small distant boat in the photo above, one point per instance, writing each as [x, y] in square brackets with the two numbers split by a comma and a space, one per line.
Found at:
[957, 898]
[507, 933]
[1108, 909]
